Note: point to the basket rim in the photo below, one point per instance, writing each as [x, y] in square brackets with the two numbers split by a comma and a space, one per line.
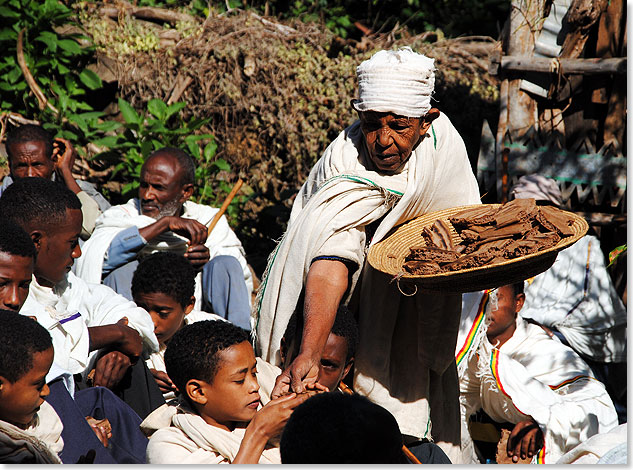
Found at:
[381, 249]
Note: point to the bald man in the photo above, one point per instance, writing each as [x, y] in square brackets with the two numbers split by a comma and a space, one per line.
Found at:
[163, 219]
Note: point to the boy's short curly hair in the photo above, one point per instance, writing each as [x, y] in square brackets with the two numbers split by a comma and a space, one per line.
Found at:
[15, 241]
[20, 338]
[192, 353]
[165, 273]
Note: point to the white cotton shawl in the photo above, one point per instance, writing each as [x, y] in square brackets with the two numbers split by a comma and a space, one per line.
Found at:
[343, 194]
[221, 241]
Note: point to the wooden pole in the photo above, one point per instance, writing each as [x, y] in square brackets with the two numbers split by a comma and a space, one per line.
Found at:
[345, 389]
[225, 205]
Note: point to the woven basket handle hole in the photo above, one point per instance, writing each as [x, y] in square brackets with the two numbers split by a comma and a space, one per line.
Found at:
[411, 294]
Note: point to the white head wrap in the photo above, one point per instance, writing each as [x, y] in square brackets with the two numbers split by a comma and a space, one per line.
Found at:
[399, 82]
[538, 187]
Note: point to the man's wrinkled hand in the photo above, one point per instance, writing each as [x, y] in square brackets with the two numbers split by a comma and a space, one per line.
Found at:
[192, 229]
[525, 440]
[111, 368]
[198, 255]
[304, 370]
[163, 381]
[64, 156]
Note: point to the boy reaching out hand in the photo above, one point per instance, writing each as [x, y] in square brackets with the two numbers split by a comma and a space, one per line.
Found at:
[220, 418]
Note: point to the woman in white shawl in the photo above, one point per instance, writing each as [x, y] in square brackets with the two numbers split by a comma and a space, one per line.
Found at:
[402, 159]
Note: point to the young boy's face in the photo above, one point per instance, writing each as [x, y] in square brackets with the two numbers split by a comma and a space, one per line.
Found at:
[20, 400]
[167, 314]
[57, 249]
[333, 367]
[233, 397]
[15, 278]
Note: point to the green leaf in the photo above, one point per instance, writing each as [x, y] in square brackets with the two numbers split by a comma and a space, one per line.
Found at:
[8, 13]
[90, 79]
[157, 108]
[174, 108]
[129, 114]
[221, 164]
[209, 151]
[69, 45]
[109, 141]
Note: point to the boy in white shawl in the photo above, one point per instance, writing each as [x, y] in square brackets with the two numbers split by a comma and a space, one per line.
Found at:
[163, 284]
[220, 418]
[402, 159]
[30, 430]
[516, 373]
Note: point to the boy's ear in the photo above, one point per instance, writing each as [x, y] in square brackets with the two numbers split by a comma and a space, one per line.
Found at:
[37, 237]
[189, 307]
[195, 391]
[520, 301]
[348, 366]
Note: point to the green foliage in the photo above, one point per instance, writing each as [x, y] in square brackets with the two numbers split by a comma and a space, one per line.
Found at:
[161, 125]
[57, 62]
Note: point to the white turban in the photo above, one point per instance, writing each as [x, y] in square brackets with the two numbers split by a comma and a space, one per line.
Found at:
[399, 82]
[538, 187]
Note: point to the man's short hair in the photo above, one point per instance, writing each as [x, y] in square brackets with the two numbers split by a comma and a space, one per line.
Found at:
[193, 352]
[37, 202]
[185, 162]
[15, 241]
[344, 326]
[165, 273]
[29, 133]
[20, 338]
[518, 288]
[333, 428]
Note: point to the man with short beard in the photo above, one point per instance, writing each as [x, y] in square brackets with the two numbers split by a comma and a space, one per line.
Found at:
[163, 219]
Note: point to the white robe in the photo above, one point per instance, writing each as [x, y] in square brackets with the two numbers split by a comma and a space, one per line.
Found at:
[403, 340]
[534, 375]
[577, 297]
[221, 241]
[68, 309]
[179, 436]
[41, 439]
[156, 360]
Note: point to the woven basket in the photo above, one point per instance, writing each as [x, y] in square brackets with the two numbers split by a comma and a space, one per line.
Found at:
[388, 256]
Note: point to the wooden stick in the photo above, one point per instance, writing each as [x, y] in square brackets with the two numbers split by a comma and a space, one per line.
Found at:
[345, 389]
[41, 98]
[225, 205]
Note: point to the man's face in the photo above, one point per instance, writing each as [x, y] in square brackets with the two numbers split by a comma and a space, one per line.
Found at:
[30, 159]
[57, 249]
[20, 400]
[167, 314]
[233, 396]
[161, 192]
[333, 367]
[503, 320]
[15, 277]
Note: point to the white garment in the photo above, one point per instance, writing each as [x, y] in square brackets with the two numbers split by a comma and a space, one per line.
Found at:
[156, 360]
[594, 448]
[592, 319]
[221, 241]
[403, 340]
[69, 308]
[179, 436]
[534, 375]
[42, 438]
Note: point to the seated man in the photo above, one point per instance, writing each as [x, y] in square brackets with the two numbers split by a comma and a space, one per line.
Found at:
[338, 354]
[30, 430]
[163, 219]
[80, 411]
[32, 151]
[220, 418]
[575, 300]
[163, 284]
[516, 373]
[89, 323]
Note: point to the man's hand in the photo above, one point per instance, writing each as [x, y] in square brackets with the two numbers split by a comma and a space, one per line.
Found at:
[63, 155]
[163, 381]
[198, 255]
[101, 428]
[130, 342]
[111, 368]
[525, 440]
[192, 229]
[304, 370]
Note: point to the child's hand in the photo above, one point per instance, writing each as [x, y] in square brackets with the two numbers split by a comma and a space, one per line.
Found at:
[163, 381]
[272, 418]
[101, 428]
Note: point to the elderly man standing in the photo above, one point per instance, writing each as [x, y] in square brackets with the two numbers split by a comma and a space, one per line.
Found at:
[402, 159]
[33, 152]
[163, 219]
